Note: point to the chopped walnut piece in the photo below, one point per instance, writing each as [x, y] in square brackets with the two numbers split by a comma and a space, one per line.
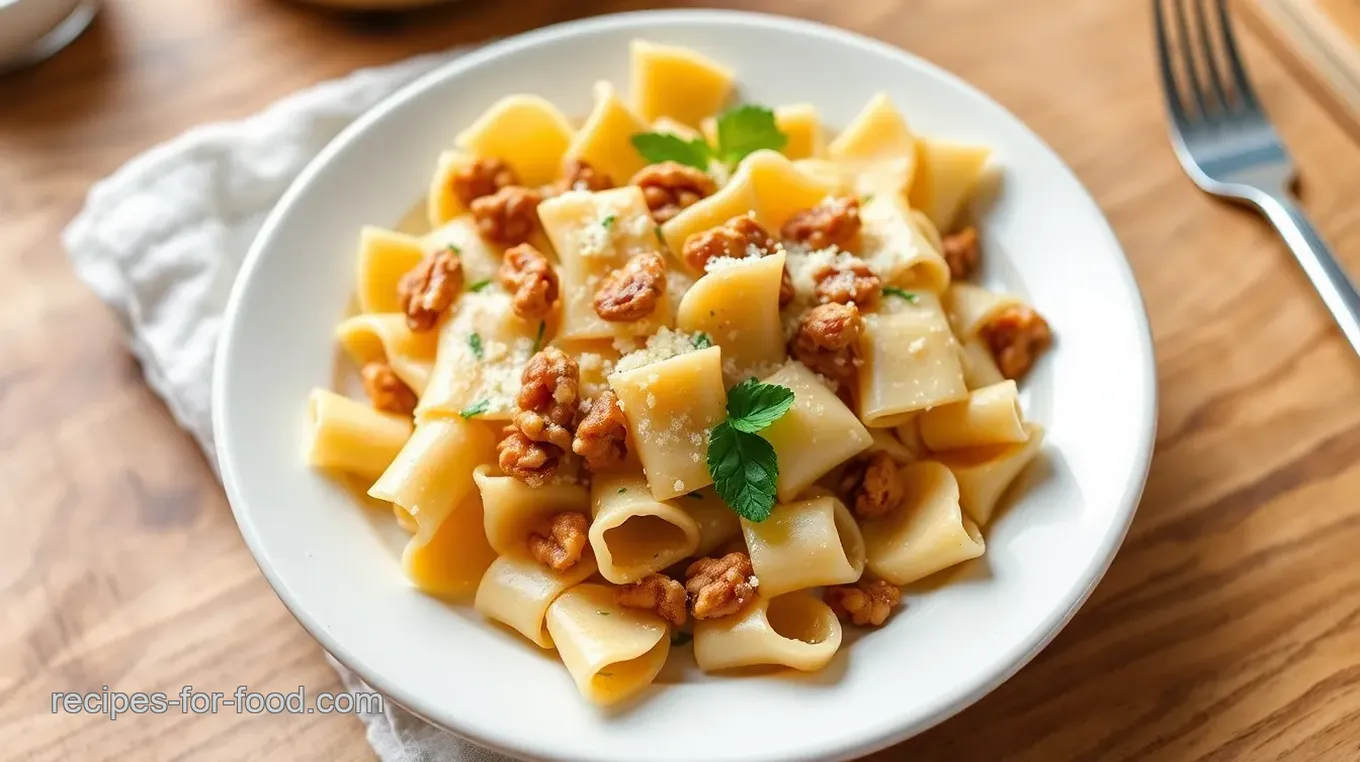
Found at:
[1016, 335]
[578, 174]
[851, 281]
[872, 486]
[530, 279]
[529, 461]
[387, 392]
[826, 341]
[508, 216]
[602, 436]
[656, 593]
[738, 238]
[832, 222]
[632, 291]
[961, 252]
[549, 390]
[867, 602]
[720, 587]
[482, 177]
[429, 289]
[559, 543]
[670, 187]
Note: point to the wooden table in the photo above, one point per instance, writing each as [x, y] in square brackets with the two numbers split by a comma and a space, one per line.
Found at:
[1227, 629]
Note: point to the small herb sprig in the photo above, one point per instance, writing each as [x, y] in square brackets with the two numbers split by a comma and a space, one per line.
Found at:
[741, 131]
[901, 293]
[743, 465]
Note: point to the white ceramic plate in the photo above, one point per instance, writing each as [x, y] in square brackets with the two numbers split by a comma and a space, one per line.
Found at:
[337, 570]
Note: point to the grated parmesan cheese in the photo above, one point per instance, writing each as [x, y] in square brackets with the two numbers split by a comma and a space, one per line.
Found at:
[662, 345]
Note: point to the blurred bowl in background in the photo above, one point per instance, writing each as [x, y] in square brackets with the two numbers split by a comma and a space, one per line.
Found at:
[32, 30]
[376, 5]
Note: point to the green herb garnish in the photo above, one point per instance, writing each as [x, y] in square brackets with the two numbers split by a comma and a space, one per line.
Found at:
[479, 285]
[622, 490]
[475, 344]
[453, 248]
[538, 340]
[741, 131]
[657, 147]
[866, 198]
[901, 294]
[702, 341]
[478, 407]
[608, 221]
[660, 237]
[743, 465]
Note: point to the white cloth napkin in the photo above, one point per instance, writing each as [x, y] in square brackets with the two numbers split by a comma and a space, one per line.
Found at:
[160, 241]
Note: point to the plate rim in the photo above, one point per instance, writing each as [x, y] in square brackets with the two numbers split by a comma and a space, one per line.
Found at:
[522, 747]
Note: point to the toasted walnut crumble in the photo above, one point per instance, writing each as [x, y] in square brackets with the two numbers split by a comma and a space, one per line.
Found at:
[632, 291]
[866, 603]
[834, 222]
[1016, 335]
[827, 340]
[559, 542]
[737, 238]
[656, 593]
[961, 252]
[482, 177]
[508, 216]
[602, 436]
[429, 289]
[521, 457]
[549, 391]
[670, 187]
[387, 392]
[871, 486]
[530, 279]
[848, 280]
[719, 587]
[578, 174]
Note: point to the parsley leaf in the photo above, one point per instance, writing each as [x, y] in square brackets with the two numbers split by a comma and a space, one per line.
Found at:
[622, 490]
[752, 405]
[479, 285]
[867, 198]
[608, 221]
[660, 236]
[744, 470]
[538, 340]
[657, 147]
[453, 249]
[745, 130]
[475, 344]
[478, 407]
[680, 638]
[901, 294]
[702, 341]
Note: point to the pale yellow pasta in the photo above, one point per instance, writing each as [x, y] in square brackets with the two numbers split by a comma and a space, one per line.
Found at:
[946, 174]
[433, 472]
[384, 257]
[676, 82]
[808, 543]
[605, 140]
[834, 176]
[781, 188]
[612, 652]
[991, 415]
[461, 380]
[878, 131]
[984, 473]
[442, 203]
[735, 199]
[450, 563]
[886, 441]
[632, 533]
[737, 307]
[671, 405]
[927, 534]
[351, 437]
[717, 523]
[479, 260]
[970, 307]
[815, 435]
[386, 338]
[513, 509]
[525, 131]
[927, 230]
[911, 362]
[894, 247]
[668, 126]
[516, 591]
[979, 367]
[595, 234]
[796, 630]
[908, 432]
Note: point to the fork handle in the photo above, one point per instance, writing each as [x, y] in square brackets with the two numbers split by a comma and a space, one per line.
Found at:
[1327, 275]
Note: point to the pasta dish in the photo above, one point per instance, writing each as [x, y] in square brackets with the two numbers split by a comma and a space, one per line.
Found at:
[684, 371]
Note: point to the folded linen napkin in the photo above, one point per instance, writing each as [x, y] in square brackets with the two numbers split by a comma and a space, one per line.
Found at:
[161, 240]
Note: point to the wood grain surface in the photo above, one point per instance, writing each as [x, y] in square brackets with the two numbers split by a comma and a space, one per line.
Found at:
[1228, 627]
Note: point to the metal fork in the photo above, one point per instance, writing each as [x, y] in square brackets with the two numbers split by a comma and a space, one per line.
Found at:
[1227, 145]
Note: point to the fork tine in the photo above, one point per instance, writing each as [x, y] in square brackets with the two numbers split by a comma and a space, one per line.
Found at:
[1216, 77]
[1170, 89]
[1245, 93]
[1188, 59]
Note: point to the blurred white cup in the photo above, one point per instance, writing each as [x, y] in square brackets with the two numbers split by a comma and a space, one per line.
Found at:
[31, 30]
